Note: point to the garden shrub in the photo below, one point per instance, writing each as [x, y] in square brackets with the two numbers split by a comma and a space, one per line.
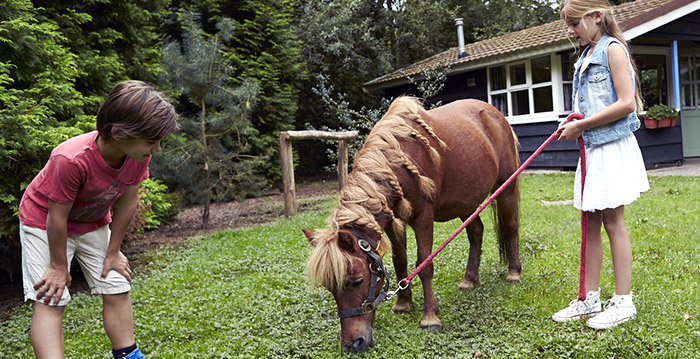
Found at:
[156, 207]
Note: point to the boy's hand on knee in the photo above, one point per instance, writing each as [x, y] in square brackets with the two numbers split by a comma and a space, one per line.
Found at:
[117, 262]
[52, 284]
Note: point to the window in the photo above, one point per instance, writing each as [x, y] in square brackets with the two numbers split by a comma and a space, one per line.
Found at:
[652, 74]
[689, 66]
[567, 77]
[522, 88]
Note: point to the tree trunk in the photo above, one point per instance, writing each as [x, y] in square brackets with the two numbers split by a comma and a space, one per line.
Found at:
[205, 215]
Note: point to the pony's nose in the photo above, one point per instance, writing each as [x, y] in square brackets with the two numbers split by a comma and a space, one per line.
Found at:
[360, 343]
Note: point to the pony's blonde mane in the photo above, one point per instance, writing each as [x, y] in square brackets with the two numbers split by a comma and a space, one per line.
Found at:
[372, 182]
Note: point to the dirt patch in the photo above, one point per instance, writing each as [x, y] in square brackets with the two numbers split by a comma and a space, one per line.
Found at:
[310, 193]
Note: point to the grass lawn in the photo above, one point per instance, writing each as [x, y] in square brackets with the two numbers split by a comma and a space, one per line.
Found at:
[242, 293]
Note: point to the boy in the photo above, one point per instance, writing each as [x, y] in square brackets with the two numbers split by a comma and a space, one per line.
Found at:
[65, 212]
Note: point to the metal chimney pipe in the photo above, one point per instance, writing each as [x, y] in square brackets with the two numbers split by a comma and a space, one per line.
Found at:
[460, 37]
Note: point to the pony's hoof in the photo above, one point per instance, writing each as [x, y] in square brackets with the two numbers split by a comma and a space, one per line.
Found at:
[401, 307]
[466, 284]
[431, 323]
[432, 327]
[513, 278]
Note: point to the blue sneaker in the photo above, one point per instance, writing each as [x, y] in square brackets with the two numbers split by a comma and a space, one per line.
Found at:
[136, 354]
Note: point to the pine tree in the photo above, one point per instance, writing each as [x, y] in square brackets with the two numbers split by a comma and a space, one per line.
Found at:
[211, 156]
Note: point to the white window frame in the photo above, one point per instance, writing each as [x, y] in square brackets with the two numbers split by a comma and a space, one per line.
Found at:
[658, 50]
[554, 82]
[694, 82]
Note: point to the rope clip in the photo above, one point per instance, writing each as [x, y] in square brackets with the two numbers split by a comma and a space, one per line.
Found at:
[401, 286]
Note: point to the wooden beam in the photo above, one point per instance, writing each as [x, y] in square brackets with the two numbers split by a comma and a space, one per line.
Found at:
[320, 135]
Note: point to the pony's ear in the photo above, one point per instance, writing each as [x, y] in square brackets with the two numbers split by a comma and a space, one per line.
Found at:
[309, 234]
[346, 240]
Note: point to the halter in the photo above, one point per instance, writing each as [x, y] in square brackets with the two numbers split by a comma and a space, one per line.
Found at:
[370, 247]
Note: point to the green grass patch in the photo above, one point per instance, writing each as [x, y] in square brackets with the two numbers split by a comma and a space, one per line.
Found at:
[242, 293]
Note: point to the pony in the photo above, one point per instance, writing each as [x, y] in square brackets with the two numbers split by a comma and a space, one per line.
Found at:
[416, 167]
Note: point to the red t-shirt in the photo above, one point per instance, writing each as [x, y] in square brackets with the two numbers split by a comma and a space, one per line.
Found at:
[76, 173]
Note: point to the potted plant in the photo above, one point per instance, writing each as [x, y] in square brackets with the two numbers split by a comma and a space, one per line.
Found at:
[658, 116]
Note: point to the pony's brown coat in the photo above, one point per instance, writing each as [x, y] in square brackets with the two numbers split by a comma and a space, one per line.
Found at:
[417, 167]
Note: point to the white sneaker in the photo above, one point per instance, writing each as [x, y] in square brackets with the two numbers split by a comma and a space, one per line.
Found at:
[618, 310]
[579, 308]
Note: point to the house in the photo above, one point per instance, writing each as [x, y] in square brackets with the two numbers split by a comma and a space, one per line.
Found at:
[527, 75]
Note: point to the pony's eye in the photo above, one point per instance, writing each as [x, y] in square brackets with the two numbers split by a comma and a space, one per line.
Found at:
[356, 282]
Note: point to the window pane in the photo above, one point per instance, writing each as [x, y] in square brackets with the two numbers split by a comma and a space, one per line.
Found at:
[498, 78]
[567, 65]
[685, 68]
[568, 88]
[687, 96]
[521, 103]
[517, 74]
[500, 102]
[652, 72]
[543, 99]
[541, 70]
[650, 87]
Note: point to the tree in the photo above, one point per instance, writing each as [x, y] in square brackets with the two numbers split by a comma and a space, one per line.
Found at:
[265, 49]
[487, 19]
[37, 74]
[211, 158]
[112, 40]
[346, 43]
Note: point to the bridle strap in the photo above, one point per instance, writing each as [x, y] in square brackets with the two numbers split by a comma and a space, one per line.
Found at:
[371, 303]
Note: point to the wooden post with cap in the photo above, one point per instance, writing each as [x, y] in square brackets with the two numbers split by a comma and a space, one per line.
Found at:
[286, 159]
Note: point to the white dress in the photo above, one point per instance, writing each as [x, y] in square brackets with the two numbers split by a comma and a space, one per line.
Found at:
[615, 173]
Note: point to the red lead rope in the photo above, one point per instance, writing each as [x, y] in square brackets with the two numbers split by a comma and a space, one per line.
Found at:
[403, 284]
[584, 221]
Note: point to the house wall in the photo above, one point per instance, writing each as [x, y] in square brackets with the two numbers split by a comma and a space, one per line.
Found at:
[659, 145]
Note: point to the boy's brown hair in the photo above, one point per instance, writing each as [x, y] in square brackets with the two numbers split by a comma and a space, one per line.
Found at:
[133, 109]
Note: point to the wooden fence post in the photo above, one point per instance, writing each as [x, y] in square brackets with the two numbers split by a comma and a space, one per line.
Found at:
[290, 202]
[286, 159]
[342, 163]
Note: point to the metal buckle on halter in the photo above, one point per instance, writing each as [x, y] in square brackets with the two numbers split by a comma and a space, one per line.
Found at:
[364, 245]
[367, 307]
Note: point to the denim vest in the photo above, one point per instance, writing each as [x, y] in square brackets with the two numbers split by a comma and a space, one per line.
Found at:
[594, 91]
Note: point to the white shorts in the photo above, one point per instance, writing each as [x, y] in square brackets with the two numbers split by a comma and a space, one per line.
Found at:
[89, 249]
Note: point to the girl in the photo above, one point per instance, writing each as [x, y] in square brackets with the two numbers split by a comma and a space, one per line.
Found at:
[605, 94]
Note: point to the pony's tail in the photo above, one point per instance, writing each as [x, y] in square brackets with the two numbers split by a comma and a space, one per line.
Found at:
[498, 210]
[498, 221]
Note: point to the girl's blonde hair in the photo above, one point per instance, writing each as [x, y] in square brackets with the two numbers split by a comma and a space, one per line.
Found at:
[571, 10]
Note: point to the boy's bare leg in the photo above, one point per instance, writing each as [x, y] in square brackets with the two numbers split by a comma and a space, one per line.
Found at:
[118, 319]
[46, 331]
